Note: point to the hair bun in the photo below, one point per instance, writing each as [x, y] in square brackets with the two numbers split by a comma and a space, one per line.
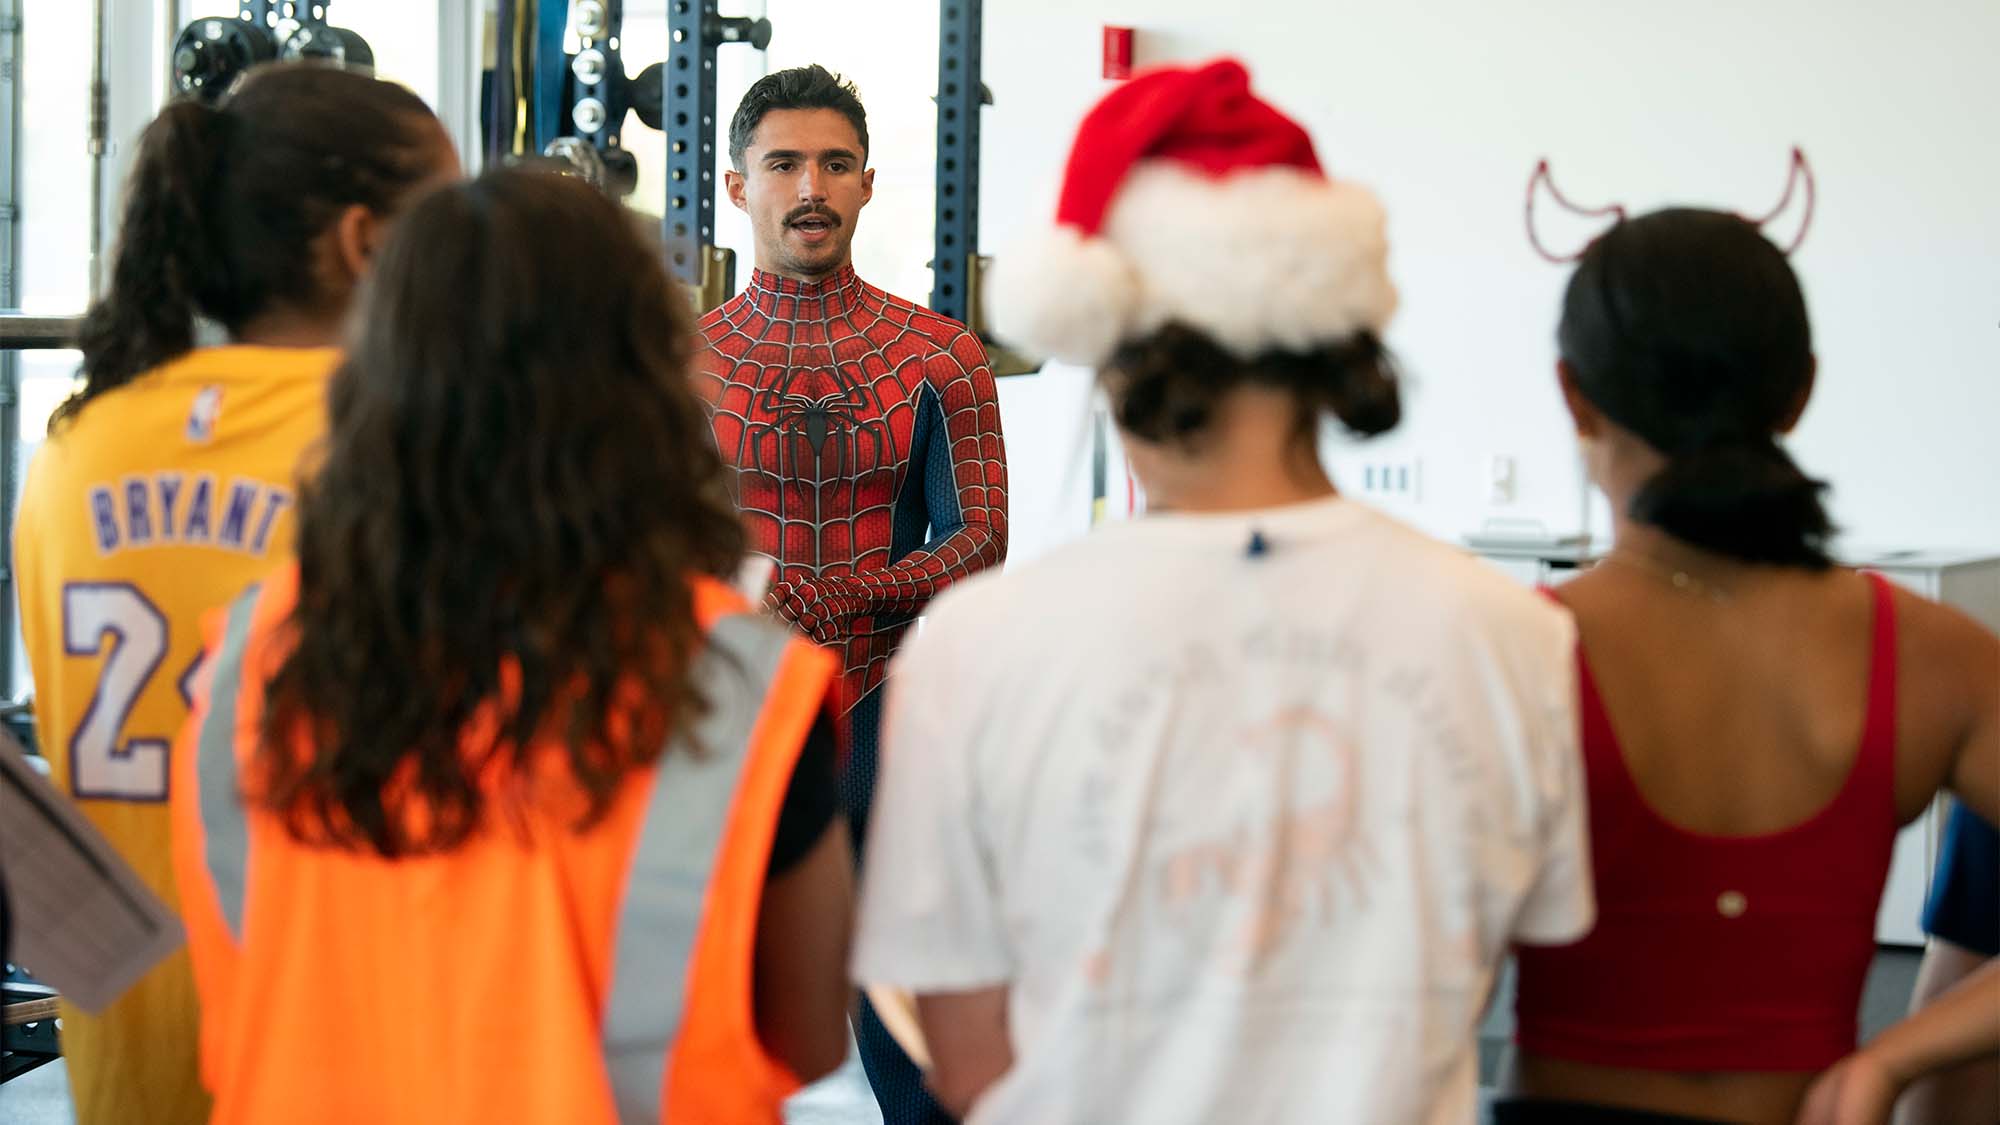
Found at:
[1165, 385]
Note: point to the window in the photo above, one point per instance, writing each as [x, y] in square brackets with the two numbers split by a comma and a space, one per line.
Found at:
[50, 266]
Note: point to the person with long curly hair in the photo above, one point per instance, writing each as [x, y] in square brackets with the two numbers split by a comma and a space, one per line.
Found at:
[501, 804]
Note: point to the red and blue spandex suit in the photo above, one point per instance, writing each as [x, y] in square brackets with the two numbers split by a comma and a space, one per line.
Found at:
[866, 437]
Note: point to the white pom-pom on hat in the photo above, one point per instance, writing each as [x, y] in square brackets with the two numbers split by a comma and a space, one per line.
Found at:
[1275, 258]
[1063, 296]
[1187, 198]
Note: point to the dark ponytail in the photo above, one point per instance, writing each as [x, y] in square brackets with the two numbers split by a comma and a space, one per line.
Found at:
[1164, 386]
[1749, 501]
[167, 255]
[1689, 329]
[224, 206]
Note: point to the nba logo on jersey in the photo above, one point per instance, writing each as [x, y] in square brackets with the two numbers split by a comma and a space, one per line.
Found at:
[203, 414]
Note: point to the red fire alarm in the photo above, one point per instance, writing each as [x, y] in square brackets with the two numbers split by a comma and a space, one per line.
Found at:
[1117, 52]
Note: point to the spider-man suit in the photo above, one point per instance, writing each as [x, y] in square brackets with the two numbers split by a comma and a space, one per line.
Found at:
[866, 436]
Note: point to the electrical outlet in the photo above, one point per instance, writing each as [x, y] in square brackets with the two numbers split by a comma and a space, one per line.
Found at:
[1393, 480]
[1502, 479]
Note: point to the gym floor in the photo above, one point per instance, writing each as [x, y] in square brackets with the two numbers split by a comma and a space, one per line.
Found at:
[42, 1097]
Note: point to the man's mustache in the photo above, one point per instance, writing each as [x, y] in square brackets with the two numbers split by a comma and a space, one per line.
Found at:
[796, 214]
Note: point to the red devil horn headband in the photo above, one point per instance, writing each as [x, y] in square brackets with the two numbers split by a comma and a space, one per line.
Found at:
[1543, 176]
[1800, 172]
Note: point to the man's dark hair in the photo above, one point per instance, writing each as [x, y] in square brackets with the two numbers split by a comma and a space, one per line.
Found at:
[802, 87]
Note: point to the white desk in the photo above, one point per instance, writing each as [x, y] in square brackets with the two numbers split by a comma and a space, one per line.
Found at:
[1968, 580]
[1543, 566]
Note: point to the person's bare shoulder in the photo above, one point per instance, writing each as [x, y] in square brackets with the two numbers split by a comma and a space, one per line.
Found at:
[1601, 600]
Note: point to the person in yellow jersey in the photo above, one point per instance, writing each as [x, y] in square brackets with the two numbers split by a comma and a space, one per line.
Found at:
[166, 484]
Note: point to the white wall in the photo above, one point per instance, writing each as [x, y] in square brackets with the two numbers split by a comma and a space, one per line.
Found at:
[1444, 107]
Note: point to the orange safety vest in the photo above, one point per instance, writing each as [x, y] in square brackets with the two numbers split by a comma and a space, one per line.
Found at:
[551, 975]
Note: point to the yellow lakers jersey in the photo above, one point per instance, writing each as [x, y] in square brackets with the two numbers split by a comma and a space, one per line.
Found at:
[160, 500]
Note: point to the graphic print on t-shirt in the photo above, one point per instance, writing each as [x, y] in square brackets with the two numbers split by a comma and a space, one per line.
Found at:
[1258, 810]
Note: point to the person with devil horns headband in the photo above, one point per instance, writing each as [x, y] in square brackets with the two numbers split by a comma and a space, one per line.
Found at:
[1246, 837]
[1757, 721]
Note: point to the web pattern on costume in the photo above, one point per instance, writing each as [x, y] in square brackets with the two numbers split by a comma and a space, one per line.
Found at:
[865, 432]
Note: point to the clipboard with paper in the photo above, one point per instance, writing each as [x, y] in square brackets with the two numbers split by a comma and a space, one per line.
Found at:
[84, 922]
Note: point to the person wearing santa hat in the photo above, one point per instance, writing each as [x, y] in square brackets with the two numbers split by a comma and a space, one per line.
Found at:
[1242, 828]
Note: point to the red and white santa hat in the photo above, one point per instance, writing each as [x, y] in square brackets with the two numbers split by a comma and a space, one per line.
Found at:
[1188, 198]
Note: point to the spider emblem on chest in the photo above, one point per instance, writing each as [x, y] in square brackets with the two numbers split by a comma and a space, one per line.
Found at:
[841, 432]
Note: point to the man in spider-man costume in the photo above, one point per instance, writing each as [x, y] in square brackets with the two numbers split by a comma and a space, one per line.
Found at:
[864, 430]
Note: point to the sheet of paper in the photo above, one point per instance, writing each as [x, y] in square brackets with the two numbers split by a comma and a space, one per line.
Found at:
[84, 922]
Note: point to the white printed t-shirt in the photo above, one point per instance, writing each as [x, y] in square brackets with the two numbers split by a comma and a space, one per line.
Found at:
[1245, 834]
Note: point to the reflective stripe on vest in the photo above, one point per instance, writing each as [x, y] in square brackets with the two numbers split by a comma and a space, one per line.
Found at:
[686, 816]
[661, 916]
[225, 824]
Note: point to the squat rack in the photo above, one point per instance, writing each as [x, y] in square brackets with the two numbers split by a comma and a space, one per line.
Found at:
[689, 114]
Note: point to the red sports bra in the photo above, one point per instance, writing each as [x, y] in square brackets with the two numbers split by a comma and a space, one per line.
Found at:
[1721, 952]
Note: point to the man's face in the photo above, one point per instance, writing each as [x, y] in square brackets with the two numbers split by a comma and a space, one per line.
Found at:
[803, 186]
